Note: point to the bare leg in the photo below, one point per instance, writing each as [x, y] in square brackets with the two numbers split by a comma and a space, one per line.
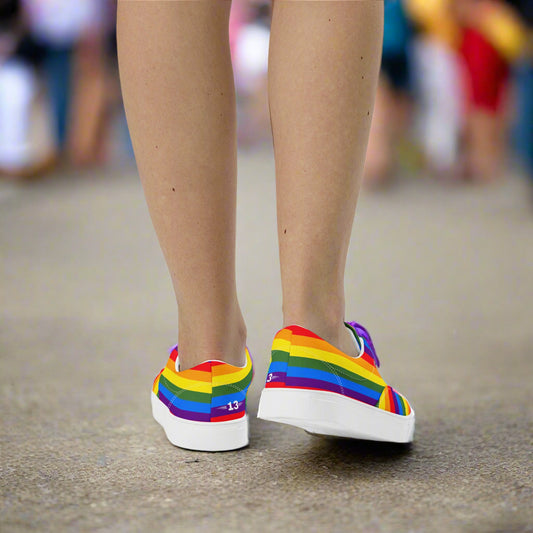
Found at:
[485, 145]
[323, 72]
[88, 102]
[178, 90]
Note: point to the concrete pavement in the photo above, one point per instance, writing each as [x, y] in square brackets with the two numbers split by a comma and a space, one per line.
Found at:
[443, 278]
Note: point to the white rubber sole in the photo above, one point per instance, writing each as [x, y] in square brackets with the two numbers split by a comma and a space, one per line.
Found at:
[201, 436]
[327, 413]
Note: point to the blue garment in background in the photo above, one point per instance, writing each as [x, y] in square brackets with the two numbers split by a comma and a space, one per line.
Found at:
[397, 35]
[57, 65]
[397, 30]
[523, 131]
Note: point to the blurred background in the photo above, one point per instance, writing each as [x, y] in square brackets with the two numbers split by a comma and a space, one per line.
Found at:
[455, 99]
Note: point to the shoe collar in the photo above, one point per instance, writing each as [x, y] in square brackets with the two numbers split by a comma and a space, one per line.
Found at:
[177, 362]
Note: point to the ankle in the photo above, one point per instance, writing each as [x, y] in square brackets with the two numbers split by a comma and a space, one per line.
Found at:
[336, 333]
[223, 342]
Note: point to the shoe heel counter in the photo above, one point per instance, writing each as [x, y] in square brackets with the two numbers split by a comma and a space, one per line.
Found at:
[279, 359]
[229, 391]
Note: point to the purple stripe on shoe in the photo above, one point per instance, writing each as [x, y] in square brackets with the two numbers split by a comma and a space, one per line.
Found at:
[397, 408]
[170, 350]
[276, 376]
[369, 345]
[330, 387]
[229, 408]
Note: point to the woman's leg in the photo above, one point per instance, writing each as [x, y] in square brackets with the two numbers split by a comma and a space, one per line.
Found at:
[177, 82]
[323, 72]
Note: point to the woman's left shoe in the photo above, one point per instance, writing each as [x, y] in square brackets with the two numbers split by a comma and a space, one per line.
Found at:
[312, 385]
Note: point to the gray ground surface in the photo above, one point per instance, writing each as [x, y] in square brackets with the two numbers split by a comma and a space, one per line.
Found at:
[443, 278]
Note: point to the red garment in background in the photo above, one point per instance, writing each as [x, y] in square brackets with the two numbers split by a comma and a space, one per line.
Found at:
[486, 72]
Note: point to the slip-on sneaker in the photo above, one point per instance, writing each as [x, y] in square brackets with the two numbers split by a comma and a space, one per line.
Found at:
[203, 408]
[314, 386]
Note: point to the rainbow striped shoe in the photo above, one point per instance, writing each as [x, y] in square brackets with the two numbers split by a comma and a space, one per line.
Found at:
[203, 408]
[312, 385]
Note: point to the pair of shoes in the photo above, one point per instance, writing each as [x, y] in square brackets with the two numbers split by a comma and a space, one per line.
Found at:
[310, 384]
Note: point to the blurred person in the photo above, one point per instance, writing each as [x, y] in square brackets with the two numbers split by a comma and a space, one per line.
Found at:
[492, 37]
[123, 149]
[179, 93]
[57, 26]
[251, 66]
[438, 83]
[393, 98]
[17, 91]
[93, 91]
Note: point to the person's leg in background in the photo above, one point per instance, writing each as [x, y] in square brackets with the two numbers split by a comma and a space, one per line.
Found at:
[487, 73]
[58, 72]
[90, 98]
[524, 116]
[380, 155]
[485, 135]
[390, 123]
[178, 89]
[392, 109]
[323, 71]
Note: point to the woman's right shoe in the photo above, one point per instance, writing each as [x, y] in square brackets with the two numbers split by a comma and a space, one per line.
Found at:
[312, 385]
[203, 408]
